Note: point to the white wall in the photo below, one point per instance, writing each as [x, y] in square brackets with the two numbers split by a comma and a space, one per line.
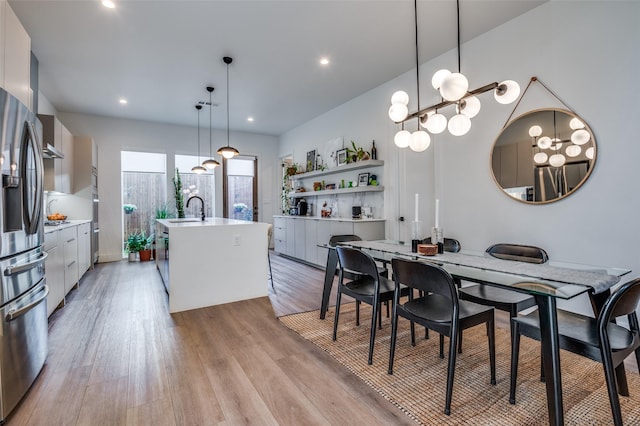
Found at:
[586, 52]
[113, 135]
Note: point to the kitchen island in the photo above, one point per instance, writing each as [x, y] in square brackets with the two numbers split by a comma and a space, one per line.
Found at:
[211, 262]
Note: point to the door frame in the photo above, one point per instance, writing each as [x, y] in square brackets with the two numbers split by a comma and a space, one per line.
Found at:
[225, 187]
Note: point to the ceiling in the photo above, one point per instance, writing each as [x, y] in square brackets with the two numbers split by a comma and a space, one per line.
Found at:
[161, 55]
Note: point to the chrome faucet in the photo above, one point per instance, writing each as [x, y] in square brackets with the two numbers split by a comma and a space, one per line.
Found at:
[202, 204]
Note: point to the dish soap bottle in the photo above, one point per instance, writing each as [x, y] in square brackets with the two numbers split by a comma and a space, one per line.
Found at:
[374, 151]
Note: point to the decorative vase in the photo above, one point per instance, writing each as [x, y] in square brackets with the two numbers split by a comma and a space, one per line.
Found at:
[132, 256]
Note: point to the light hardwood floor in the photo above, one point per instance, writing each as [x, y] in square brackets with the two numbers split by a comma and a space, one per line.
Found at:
[117, 357]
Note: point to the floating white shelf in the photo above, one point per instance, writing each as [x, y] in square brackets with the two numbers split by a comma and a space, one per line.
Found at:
[369, 188]
[339, 169]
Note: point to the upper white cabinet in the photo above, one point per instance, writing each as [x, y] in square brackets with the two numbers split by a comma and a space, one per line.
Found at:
[16, 55]
[58, 172]
[85, 164]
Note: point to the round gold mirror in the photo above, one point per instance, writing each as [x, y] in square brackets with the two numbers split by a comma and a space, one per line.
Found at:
[543, 156]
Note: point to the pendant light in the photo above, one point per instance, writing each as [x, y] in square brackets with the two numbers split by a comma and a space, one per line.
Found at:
[210, 163]
[198, 169]
[228, 151]
[454, 90]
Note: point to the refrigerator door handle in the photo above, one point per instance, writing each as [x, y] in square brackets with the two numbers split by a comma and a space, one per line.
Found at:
[16, 269]
[15, 313]
[33, 195]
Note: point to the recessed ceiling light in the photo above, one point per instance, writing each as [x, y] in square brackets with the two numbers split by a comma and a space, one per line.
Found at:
[324, 61]
[250, 119]
[109, 4]
[123, 101]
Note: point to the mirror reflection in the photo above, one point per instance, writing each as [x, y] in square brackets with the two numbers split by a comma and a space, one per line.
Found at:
[543, 156]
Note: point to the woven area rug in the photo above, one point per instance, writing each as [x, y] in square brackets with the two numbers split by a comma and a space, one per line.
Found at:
[418, 384]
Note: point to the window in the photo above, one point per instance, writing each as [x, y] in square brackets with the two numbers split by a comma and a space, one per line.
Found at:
[194, 184]
[143, 191]
[240, 188]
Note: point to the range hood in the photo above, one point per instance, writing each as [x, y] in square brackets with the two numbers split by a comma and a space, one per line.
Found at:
[50, 151]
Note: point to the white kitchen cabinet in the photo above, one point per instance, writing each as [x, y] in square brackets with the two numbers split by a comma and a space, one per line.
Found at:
[16, 46]
[311, 241]
[69, 237]
[54, 270]
[291, 237]
[300, 240]
[58, 172]
[280, 235]
[304, 234]
[84, 248]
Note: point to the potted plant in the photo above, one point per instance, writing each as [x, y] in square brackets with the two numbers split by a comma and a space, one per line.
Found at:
[129, 208]
[179, 196]
[292, 169]
[135, 243]
[146, 242]
[356, 153]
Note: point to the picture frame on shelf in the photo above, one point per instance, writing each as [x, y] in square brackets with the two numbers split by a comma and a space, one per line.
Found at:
[363, 179]
[341, 156]
[311, 161]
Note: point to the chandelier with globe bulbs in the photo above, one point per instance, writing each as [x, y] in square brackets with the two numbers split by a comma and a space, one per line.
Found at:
[454, 90]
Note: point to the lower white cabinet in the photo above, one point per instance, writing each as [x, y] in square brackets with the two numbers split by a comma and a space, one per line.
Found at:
[299, 237]
[68, 258]
[54, 269]
[69, 237]
[84, 248]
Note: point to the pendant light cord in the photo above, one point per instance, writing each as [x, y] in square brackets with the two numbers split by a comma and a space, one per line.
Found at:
[198, 109]
[210, 138]
[227, 105]
[458, 14]
[415, 15]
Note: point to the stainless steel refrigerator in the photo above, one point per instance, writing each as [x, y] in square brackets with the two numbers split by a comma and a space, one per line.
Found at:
[23, 293]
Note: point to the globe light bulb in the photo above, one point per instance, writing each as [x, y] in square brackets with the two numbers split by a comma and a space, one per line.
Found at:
[590, 152]
[470, 106]
[400, 97]
[557, 160]
[459, 125]
[576, 124]
[573, 150]
[436, 123]
[555, 145]
[540, 157]
[420, 140]
[544, 142]
[402, 138]
[580, 137]
[535, 131]
[507, 92]
[398, 112]
[454, 87]
[438, 76]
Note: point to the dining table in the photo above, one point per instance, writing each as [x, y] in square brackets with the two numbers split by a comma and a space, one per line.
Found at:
[546, 282]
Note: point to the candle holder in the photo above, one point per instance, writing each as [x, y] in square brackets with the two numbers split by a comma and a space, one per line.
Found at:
[416, 232]
[438, 238]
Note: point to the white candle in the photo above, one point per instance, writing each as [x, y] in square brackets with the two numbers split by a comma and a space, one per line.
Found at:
[416, 219]
[437, 213]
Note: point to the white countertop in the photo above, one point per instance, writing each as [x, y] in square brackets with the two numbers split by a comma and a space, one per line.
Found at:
[330, 219]
[70, 223]
[209, 221]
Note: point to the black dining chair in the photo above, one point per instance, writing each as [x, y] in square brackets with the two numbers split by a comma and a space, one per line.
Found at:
[501, 298]
[334, 240]
[366, 286]
[439, 309]
[599, 339]
[449, 244]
